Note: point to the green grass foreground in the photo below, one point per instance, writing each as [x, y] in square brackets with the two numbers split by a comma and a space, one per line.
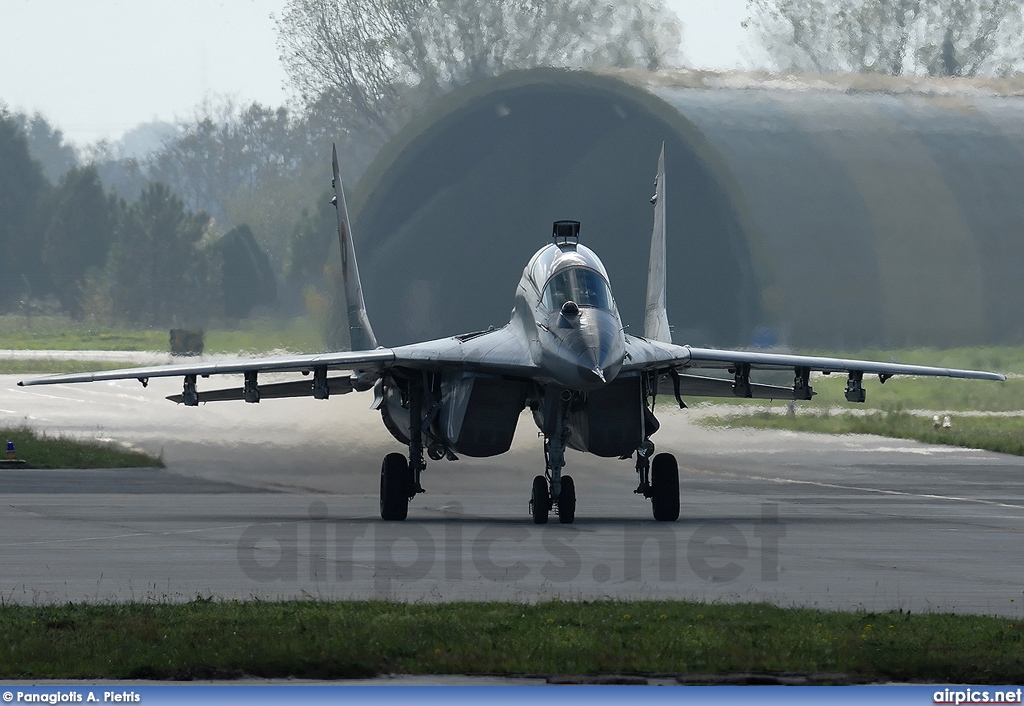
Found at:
[207, 639]
[40, 450]
[1001, 434]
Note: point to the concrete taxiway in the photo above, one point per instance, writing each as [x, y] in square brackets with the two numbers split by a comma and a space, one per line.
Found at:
[280, 500]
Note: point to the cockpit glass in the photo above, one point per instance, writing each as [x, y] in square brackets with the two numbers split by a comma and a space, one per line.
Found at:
[578, 284]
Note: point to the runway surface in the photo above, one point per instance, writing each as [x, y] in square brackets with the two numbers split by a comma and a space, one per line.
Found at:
[280, 500]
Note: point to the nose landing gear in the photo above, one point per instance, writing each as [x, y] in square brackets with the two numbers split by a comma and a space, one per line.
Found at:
[542, 502]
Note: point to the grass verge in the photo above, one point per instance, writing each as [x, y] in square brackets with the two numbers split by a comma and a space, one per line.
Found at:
[41, 450]
[206, 639]
[1001, 434]
[925, 393]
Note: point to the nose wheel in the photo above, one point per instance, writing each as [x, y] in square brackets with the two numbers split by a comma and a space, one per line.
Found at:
[567, 501]
[541, 503]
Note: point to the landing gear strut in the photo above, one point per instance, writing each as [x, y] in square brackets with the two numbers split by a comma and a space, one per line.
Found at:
[643, 468]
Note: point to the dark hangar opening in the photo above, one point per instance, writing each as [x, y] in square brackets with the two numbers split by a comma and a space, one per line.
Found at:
[448, 216]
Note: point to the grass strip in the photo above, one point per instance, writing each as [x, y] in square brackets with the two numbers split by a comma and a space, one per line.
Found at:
[330, 640]
[40, 450]
[925, 393]
[1000, 434]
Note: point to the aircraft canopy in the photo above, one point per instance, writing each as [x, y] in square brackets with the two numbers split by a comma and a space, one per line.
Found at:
[578, 284]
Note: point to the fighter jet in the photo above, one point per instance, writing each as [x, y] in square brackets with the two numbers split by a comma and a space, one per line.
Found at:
[564, 354]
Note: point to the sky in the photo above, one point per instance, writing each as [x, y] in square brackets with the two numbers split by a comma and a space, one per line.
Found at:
[97, 68]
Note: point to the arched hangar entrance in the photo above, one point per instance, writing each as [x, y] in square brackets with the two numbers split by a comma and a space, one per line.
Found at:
[450, 212]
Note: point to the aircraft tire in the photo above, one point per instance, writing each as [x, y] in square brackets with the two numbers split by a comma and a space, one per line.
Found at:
[567, 501]
[540, 501]
[665, 484]
[394, 488]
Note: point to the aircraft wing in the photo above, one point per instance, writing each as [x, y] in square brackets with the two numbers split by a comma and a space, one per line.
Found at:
[498, 352]
[355, 360]
[667, 358]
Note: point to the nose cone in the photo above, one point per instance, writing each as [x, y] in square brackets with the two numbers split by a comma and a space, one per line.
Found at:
[591, 349]
[603, 348]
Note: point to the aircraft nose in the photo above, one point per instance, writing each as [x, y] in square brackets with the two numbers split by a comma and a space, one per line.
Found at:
[587, 347]
[601, 358]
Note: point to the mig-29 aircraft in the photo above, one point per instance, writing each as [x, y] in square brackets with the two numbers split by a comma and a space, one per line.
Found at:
[564, 354]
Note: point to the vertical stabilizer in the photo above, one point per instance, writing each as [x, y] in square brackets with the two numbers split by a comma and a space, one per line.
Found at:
[360, 332]
[656, 326]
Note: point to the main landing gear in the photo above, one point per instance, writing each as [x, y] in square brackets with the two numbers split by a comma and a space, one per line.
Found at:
[399, 483]
[659, 481]
[395, 484]
[400, 477]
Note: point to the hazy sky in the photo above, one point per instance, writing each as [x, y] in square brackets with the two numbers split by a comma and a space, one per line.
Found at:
[96, 68]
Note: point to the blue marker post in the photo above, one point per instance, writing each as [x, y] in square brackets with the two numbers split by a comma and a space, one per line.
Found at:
[10, 450]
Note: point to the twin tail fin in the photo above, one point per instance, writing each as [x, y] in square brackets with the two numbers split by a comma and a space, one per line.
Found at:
[656, 326]
[360, 331]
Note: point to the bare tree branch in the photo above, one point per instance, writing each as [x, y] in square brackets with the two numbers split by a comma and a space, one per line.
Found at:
[375, 56]
[938, 37]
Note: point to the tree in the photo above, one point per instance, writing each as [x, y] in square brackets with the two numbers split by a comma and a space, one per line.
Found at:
[313, 235]
[255, 165]
[938, 37]
[21, 185]
[46, 143]
[78, 235]
[159, 273]
[247, 278]
[377, 59]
